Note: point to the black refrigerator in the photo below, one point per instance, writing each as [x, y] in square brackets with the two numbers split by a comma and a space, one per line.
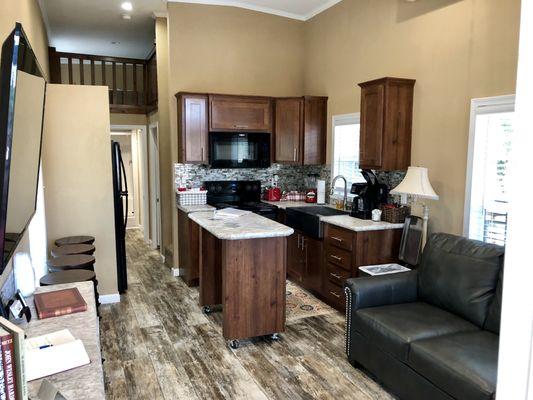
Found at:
[120, 200]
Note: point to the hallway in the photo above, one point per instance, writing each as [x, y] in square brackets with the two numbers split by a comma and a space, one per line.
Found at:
[157, 344]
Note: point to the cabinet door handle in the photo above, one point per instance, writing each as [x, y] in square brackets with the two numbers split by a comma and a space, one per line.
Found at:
[240, 126]
[337, 239]
[338, 296]
[294, 154]
[298, 240]
[335, 275]
[336, 257]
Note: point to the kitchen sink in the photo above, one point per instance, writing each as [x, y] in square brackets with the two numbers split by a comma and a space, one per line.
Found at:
[307, 219]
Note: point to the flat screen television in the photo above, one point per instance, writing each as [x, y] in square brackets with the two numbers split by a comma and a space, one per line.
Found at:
[22, 95]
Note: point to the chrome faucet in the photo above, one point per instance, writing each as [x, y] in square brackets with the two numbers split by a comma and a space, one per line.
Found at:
[345, 199]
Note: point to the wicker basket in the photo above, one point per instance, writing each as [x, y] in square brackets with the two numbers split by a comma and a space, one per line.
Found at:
[395, 215]
[191, 198]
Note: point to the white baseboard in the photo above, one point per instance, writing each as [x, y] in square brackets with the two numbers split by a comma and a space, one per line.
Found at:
[175, 271]
[109, 298]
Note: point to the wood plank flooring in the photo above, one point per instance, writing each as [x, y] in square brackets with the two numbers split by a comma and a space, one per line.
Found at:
[157, 344]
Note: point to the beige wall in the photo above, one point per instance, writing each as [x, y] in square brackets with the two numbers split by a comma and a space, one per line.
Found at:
[77, 172]
[128, 119]
[165, 152]
[26, 12]
[456, 50]
[229, 50]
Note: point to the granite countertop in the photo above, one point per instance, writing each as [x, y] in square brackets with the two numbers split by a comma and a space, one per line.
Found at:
[85, 382]
[197, 208]
[250, 226]
[359, 225]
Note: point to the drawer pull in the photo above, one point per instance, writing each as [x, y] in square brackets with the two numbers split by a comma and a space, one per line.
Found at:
[338, 296]
[336, 239]
[240, 126]
[335, 275]
[336, 257]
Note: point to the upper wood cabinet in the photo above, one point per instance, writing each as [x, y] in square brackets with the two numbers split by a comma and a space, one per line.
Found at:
[240, 113]
[192, 128]
[386, 123]
[288, 127]
[301, 130]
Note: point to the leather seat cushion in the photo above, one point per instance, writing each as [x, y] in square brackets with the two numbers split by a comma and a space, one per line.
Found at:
[392, 328]
[460, 275]
[464, 365]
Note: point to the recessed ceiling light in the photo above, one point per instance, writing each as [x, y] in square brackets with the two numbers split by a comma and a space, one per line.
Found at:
[127, 6]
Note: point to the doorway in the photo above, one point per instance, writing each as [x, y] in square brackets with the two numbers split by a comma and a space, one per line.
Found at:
[155, 203]
[133, 144]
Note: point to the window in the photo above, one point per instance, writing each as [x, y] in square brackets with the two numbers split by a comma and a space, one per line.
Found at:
[345, 159]
[490, 142]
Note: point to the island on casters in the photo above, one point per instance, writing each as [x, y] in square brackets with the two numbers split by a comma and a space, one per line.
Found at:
[243, 268]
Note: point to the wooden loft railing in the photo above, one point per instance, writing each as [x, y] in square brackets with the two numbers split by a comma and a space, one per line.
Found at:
[132, 82]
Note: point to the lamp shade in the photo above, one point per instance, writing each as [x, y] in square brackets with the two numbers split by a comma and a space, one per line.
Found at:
[416, 183]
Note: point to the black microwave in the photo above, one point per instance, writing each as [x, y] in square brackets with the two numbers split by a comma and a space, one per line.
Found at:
[239, 149]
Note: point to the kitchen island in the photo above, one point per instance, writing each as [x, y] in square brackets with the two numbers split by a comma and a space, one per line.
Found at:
[243, 268]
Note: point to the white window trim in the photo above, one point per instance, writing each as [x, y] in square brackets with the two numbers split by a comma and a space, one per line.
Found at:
[485, 105]
[339, 120]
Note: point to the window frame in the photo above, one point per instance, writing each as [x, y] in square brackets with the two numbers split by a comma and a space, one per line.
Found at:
[339, 120]
[480, 106]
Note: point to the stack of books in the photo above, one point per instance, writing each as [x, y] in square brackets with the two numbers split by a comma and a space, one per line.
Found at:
[13, 383]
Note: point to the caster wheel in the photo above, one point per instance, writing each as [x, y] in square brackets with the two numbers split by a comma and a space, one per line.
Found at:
[234, 344]
[207, 310]
[275, 337]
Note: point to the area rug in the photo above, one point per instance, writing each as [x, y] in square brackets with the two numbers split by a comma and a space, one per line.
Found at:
[302, 304]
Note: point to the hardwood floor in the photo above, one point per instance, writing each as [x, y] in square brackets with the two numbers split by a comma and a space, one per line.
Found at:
[157, 344]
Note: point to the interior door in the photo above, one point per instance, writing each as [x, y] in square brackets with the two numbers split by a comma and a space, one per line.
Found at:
[155, 204]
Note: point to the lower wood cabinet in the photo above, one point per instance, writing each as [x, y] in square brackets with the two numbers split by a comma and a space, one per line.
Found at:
[322, 266]
[188, 249]
[305, 261]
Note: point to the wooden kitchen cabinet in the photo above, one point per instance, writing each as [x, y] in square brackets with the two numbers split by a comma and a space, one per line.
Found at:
[345, 251]
[229, 113]
[386, 123]
[305, 261]
[188, 250]
[288, 127]
[192, 128]
[300, 130]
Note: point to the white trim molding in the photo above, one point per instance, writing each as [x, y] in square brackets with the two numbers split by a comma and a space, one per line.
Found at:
[109, 298]
[175, 272]
[267, 10]
[480, 106]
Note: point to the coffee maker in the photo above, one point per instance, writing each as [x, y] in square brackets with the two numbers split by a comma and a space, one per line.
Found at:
[369, 195]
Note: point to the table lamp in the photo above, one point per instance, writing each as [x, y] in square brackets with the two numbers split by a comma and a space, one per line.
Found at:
[416, 184]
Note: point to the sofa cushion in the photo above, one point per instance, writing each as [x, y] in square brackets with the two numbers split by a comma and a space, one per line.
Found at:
[392, 328]
[492, 322]
[460, 275]
[463, 364]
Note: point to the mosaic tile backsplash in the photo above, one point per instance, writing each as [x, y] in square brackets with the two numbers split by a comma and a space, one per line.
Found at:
[290, 177]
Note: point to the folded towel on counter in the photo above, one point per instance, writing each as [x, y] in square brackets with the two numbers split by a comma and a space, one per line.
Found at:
[230, 213]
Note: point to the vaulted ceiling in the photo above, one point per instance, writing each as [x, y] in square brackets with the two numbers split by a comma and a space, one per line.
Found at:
[98, 26]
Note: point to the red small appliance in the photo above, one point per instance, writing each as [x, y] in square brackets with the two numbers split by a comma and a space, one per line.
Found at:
[310, 196]
[273, 194]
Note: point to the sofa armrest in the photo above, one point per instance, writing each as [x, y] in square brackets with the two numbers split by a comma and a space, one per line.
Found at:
[381, 290]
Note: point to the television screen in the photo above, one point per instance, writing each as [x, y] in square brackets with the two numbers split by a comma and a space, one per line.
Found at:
[22, 96]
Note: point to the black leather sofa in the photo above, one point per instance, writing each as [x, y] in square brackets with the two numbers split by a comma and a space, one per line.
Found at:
[431, 333]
